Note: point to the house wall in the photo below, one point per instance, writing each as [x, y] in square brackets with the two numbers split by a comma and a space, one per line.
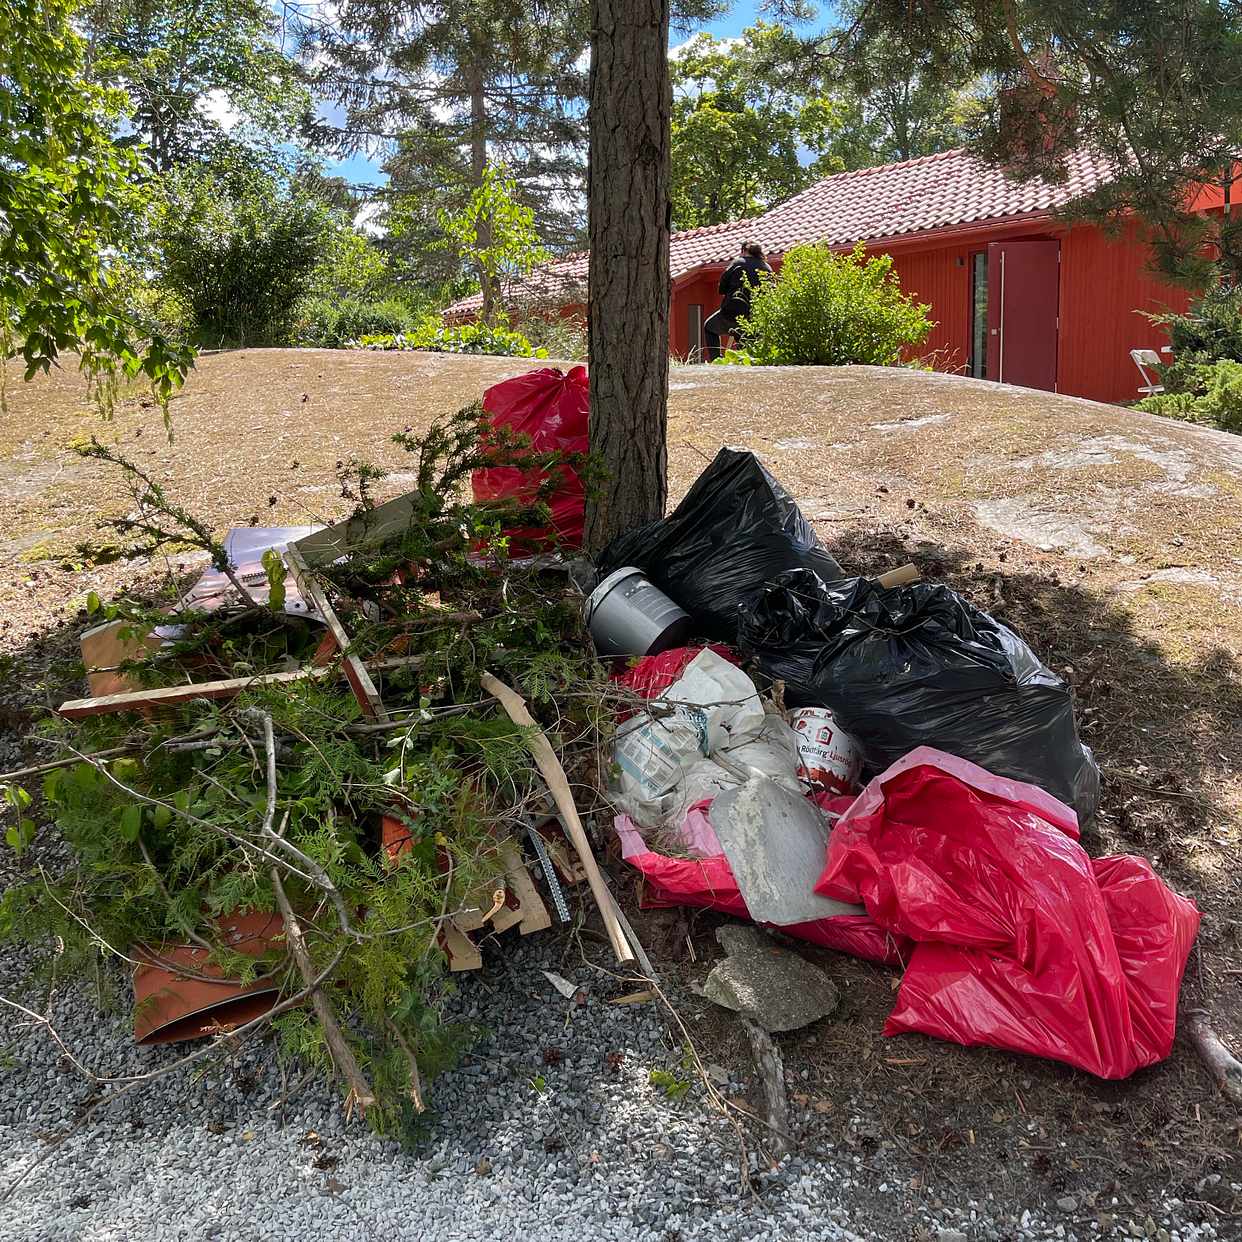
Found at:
[1104, 285]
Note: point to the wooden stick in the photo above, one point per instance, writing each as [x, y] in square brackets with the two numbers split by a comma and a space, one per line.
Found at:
[550, 767]
[170, 696]
[771, 1067]
[903, 575]
[355, 671]
[342, 1054]
[1224, 1067]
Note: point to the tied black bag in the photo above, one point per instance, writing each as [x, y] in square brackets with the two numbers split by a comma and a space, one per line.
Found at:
[919, 666]
[736, 529]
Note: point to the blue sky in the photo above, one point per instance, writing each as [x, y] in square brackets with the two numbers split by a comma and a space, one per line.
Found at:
[363, 171]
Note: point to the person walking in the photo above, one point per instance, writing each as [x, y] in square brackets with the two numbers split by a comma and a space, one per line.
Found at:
[738, 283]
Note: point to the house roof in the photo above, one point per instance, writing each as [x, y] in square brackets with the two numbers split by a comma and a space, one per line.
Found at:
[946, 190]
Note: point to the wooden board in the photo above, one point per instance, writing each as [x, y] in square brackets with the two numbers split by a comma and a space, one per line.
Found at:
[461, 950]
[531, 914]
[355, 671]
[103, 649]
[170, 696]
[324, 546]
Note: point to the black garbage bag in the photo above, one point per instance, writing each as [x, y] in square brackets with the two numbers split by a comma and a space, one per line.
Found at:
[919, 666]
[736, 529]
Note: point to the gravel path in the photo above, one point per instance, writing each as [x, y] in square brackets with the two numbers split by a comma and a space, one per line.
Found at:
[597, 1153]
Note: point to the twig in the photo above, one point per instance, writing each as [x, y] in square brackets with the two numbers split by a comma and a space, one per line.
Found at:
[1224, 1067]
[416, 1081]
[360, 1093]
[159, 883]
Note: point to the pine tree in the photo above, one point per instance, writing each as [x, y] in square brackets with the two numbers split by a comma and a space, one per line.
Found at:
[443, 88]
[1154, 88]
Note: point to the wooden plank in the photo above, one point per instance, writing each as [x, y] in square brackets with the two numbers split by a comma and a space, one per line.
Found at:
[463, 953]
[532, 914]
[103, 649]
[170, 696]
[355, 671]
[326, 545]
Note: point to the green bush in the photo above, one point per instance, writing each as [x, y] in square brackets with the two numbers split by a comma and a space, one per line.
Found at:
[826, 309]
[558, 336]
[467, 338]
[331, 323]
[1211, 395]
[240, 251]
[1210, 330]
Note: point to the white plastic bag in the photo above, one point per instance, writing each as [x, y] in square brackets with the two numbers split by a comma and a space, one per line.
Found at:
[707, 732]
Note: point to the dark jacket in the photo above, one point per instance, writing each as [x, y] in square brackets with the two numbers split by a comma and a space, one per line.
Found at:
[738, 282]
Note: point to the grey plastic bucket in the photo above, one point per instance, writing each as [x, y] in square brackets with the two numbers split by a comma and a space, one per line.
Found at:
[628, 615]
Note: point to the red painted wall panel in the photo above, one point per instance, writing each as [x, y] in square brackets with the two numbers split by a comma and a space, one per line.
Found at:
[1104, 286]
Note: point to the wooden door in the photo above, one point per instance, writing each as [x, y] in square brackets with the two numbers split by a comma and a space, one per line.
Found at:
[1023, 292]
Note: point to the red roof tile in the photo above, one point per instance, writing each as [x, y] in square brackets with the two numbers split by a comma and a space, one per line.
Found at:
[945, 190]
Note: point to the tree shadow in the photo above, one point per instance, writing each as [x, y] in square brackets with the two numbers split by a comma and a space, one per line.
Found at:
[1164, 732]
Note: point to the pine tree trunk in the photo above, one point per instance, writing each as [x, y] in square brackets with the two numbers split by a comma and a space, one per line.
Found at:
[628, 196]
[478, 166]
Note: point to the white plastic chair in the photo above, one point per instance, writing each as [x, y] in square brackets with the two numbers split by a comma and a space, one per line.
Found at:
[1144, 358]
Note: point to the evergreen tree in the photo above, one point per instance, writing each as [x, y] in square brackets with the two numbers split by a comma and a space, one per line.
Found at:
[201, 75]
[442, 88]
[1154, 88]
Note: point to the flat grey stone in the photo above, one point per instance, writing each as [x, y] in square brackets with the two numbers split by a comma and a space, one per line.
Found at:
[778, 989]
[776, 841]
[738, 937]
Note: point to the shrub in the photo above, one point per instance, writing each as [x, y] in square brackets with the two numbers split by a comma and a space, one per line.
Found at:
[1211, 395]
[1209, 331]
[239, 250]
[331, 323]
[558, 336]
[833, 310]
[468, 338]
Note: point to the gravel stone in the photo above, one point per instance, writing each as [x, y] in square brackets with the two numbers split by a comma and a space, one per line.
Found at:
[224, 1156]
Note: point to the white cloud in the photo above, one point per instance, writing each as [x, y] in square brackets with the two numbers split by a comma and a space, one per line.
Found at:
[369, 219]
[678, 50]
[216, 106]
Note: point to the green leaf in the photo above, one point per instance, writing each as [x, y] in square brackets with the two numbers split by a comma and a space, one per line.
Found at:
[274, 567]
[161, 817]
[130, 823]
[93, 603]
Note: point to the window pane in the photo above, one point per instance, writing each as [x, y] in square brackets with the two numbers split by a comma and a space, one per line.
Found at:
[979, 315]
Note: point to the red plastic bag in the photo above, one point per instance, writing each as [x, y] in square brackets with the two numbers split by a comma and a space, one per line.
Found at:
[1024, 942]
[708, 884]
[651, 675]
[552, 408]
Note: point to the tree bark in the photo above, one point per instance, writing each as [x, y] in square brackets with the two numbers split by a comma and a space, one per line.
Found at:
[628, 297]
[478, 166]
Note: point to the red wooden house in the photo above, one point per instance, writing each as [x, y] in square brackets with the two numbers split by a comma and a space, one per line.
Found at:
[1017, 294]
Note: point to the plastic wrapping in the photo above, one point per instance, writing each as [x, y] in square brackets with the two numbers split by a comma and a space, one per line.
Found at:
[707, 883]
[1023, 941]
[551, 408]
[735, 529]
[910, 666]
[706, 880]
